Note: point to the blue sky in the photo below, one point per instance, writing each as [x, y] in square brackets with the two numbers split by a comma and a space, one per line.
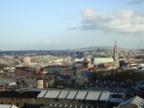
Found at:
[69, 24]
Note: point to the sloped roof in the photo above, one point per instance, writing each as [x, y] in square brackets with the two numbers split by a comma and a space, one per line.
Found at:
[135, 100]
[52, 94]
[81, 95]
[63, 94]
[92, 95]
[75, 94]
[42, 93]
[103, 60]
[104, 96]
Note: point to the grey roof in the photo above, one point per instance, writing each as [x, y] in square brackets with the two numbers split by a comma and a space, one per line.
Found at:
[104, 96]
[42, 94]
[63, 94]
[81, 95]
[52, 94]
[116, 97]
[74, 94]
[93, 95]
[135, 100]
[71, 94]
[116, 100]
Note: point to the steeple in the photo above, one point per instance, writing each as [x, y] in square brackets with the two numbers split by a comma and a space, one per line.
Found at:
[115, 55]
[115, 44]
[115, 52]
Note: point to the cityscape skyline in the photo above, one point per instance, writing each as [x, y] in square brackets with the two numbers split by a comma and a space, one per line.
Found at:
[56, 25]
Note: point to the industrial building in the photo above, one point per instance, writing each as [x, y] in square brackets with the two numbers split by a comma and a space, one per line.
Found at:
[57, 98]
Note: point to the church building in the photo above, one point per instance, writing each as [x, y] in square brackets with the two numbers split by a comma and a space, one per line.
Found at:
[109, 62]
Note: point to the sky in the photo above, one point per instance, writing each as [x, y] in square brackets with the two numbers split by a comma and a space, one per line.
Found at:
[70, 24]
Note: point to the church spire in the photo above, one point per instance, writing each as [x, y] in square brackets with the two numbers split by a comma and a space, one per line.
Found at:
[115, 52]
[115, 44]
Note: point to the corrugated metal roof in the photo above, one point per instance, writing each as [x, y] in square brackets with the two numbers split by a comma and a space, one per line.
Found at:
[52, 94]
[81, 95]
[71, 94]
[92, 95]
[63, 94]
[104, 96]
[42, 93]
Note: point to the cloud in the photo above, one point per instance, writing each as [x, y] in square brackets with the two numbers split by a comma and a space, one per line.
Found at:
[50, 42]
[124, 21]
[134, 1]
[73, 28]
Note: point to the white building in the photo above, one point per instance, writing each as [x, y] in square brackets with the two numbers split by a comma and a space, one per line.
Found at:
[27, 61]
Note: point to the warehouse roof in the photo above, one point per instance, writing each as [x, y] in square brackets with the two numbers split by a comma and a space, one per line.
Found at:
[75, 94]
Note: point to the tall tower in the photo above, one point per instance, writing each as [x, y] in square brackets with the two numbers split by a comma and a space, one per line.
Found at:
[115, 55]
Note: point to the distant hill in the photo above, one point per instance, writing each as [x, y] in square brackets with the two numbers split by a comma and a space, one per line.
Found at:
[99, 47]
[94, 48]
